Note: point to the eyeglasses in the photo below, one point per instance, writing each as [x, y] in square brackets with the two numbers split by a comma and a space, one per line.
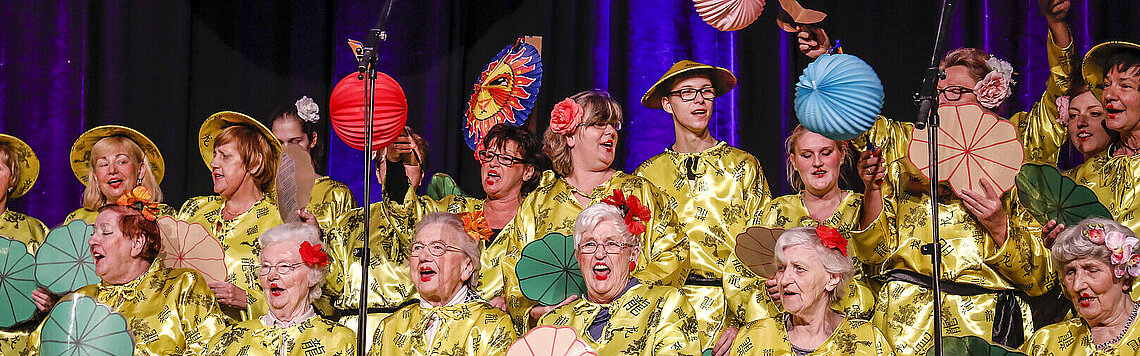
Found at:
[435, 249]
[954, 92]
[282, 269]
[610, 247]
[602, 125]
[689, 94]
[504, 159]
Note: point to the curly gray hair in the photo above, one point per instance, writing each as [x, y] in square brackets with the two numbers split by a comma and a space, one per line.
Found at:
[1073, 243]
[296, 233]
[834, 262]
[466, 243]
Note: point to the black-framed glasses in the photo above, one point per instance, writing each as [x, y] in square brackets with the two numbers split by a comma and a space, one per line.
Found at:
[602, 125]
[504, 159]
[282, 269]
[435, 249]
[611, 247]
[688, 94]
[954, 92]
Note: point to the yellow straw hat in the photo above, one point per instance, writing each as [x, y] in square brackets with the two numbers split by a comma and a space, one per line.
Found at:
[722, 81]
[30, 169]
[1092, 69]
[81, 150]
[219, 121]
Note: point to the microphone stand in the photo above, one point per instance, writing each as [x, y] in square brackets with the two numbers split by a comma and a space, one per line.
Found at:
[927, 101]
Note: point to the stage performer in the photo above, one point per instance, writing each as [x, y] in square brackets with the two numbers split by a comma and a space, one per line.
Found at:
[125, 247]
[711, 182]
[292, 271]
[1083, 116]
[814, 269]
[1099, 260]
[450, 317]
[110, 161]
[581, 142]
[19, 169]
[618, 315]
[242, 155]
[297, 124]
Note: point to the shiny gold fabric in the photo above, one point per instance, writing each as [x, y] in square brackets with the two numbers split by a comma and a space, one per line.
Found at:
[1073, 338]
[330, 200]
[168, 311]
[88, 216]
[471, 328]
[313, 337]
[239, 240]
[1038, 130]
[645, 320]
[1116, 182]
[769, 337]
[19, 227]
[712, 209]
[553, 208]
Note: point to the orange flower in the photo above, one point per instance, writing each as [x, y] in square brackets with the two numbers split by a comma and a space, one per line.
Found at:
[139, 199]
[565, 117]
[476, 225]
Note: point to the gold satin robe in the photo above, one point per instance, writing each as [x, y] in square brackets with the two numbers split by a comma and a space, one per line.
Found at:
[1073, 338]
[19, 227]
[239, 240]
[553, 208]
[168, 311]
[330, 200]
[88, 216]
[645, 320]
[313, 337]
[1116, 182]
[1037, 129]
[712, 209]
[471, 328]
[768, 336]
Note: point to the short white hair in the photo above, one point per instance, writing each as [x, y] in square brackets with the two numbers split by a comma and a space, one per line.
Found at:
[467, 243]
[834, 262]
[296, 233]
[597, 213]
[1072, 243]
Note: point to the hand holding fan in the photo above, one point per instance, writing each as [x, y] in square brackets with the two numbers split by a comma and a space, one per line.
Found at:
[548, 271]
[550, 341]
[1048, 195]
[81, 326]
[973, 144]
[295, 180]
[17, 281]
[186, 245]
[756, 248]
[64, 262]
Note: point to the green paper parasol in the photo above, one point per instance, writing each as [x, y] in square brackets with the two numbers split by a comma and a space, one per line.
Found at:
[80, 326]
[63, 262]
[17, 281]
[1048, 195]
[547, 270]
[443, 185]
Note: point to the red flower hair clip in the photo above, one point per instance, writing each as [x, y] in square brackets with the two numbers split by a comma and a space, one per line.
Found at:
[313, 256]
[636, 214]
[565, 117]
[139, 199]
[476, 225]
[831, 238]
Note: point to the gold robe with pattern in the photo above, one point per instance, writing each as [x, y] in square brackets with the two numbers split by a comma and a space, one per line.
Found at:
[168, 311]
[1037, 129]
[30, 231]
[713, 208]
[88, 216]
[552, 208]
[239, 240]
[769, 337]
[330, 200]
[1116, 182]
[471, 328]
[645, 320]
[1073, 338]
[313, 337]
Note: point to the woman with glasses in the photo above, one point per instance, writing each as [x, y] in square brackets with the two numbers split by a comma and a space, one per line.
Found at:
[292, 271]
[450, 317]
[618, 313]
[581, 140]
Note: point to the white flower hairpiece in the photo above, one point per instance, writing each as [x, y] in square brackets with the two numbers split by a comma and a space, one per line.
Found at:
[307, 109]
[1002, 67]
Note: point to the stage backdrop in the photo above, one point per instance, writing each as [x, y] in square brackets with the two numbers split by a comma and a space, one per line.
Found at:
[163, 67]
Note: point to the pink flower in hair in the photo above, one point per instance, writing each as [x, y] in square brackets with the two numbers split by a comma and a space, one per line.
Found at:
[1121, 246]
[1131, 267]
[1063, 109]
[565, 117]
[992, 90]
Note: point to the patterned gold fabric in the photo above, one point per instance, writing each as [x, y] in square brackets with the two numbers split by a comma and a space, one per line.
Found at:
[330, 199]
[1073, 338]
[1116, 182]
[769, 336]
[553, 208]
[645, 320]
[712, 209]
[88, 216]
[169, 311]
[471, 328]
[313, 337]
[1038, 130]
[26, 229]
[239, 240]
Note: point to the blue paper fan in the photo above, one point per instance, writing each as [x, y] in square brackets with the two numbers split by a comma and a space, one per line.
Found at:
[838, 96]
[81, 326]
[17, 281]
[64, 262]
[505, 91]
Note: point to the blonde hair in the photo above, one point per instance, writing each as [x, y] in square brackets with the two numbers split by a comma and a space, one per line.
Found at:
[598, 109]
[253, 148]
[797, 183]
[13, 163]
[93, 197]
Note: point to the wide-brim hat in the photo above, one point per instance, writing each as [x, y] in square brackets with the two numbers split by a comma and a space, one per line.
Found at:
[30, 165]
[219, 121]
[722, 80]
[81, 150]
[1093, 67]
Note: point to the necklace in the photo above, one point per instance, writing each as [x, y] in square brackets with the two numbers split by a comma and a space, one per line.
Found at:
[1131, 318]
[579, 192]
[1134, 150]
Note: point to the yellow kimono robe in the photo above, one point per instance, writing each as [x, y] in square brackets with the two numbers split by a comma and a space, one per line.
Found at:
[553, 208]
[1037, 129]
[1116, 182]
[26, 229]
[645, 320]
[239, 240]
[1073, 338]
[330, 199]
[88, 216]
[470, 328]
[168, 311]
[712, 209]
[769, 337]
[312, 337]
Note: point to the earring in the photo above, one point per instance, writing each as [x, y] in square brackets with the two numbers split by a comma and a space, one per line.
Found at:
[139, 182]
[632, 265]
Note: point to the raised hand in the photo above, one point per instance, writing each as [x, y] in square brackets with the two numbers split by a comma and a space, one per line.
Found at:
[813, 41]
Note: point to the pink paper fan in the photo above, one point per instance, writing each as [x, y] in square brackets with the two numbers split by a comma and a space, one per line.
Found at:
[186, 245]
[550, 341]
[973, 144]
[729, 15]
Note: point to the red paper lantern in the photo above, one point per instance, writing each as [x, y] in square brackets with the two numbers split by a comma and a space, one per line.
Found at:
[347, 109]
